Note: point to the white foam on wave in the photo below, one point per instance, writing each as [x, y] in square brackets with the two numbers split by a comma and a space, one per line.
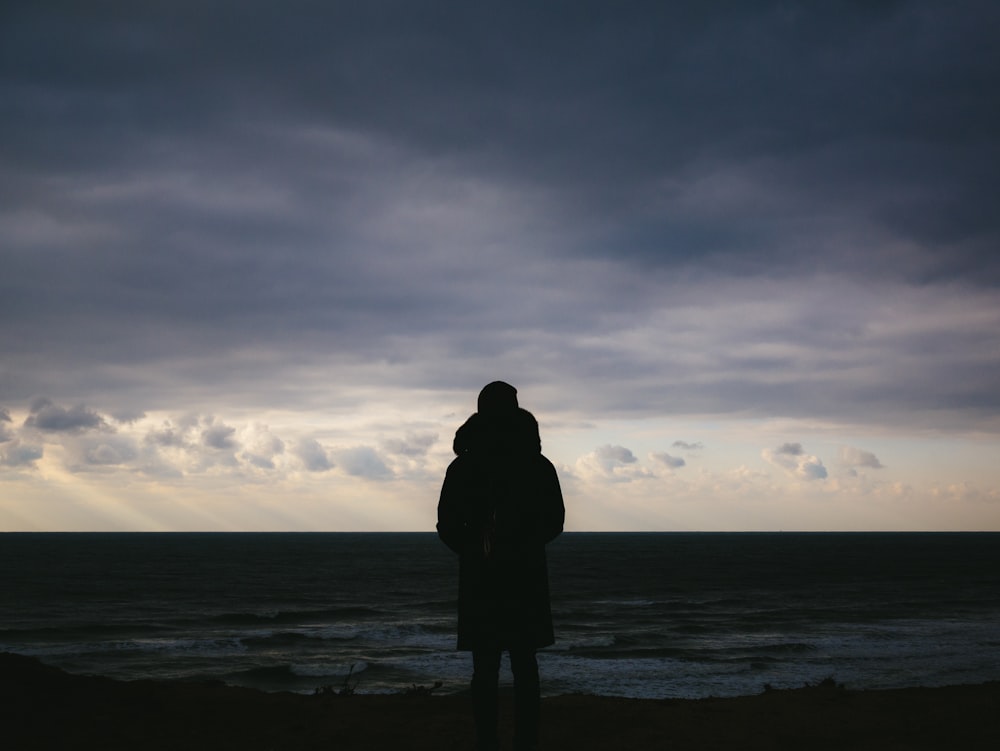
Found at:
[410, 635]
[206, 646]
[566, 644]
[328, 669]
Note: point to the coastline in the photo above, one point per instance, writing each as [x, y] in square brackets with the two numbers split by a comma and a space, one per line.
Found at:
[42, 707]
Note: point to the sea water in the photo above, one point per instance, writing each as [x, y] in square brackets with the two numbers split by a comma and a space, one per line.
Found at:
[636, 614]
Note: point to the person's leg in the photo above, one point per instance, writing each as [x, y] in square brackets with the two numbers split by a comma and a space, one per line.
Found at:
[527, 698]
[485, 676]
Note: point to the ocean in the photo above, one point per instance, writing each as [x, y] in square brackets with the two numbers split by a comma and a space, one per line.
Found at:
[649, 615]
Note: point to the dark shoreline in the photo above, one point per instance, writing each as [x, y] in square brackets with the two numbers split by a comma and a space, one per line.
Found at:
[42, 707]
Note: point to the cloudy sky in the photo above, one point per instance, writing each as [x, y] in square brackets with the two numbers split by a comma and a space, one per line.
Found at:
[742, 260]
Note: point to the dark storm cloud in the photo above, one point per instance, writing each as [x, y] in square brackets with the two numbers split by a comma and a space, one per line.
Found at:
[207, 193]
[615, 107]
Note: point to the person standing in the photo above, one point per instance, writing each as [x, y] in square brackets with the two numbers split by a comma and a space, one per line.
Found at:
[500, 505]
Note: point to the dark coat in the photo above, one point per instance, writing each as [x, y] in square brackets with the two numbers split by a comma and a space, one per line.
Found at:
[500, 504]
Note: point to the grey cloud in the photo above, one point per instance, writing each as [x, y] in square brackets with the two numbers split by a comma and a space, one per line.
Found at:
[261, 462]
[165, 436]
[5, 434]
[313, 455]
[674, 462]
[789, 449]
[128, 416]
[14, 454]
[813, 470]
[363, 461]
[104, 454]
[696, 446]
[219, 437]
[412, 446]
[109, 451]
[855, 457]
[51, 418]
[615, 454]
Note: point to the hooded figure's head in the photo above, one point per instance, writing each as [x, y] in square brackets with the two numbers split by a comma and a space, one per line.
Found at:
[497, 398]
[500, 425]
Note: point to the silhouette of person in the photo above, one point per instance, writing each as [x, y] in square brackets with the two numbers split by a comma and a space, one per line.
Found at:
[500, 505]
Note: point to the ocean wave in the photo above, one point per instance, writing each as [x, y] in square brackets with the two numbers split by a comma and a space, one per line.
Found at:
[773, 649]
[292, 637]
[376, 635]
[207, 647]
[214, 646]
[79, 631]
[346, 613]
[635, 602]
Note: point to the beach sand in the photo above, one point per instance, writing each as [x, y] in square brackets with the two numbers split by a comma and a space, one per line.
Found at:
[42, 707]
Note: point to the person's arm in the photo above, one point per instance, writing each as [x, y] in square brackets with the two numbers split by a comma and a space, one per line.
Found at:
[554, 511]
[451, 522]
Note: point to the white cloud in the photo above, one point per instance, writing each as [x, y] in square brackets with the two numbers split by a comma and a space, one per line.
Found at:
[793, 459]
[261, 447]
[611, 464]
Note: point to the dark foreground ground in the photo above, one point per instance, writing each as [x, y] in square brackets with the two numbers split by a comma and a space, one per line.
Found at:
[44, 708]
